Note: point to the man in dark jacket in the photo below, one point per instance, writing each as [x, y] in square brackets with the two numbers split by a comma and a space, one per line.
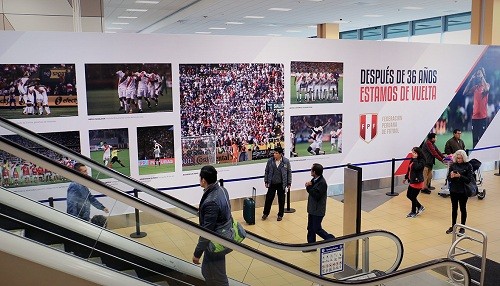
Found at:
[277, 177]
[316, 205]
[431, 153]
[454, 143]
[214, 215]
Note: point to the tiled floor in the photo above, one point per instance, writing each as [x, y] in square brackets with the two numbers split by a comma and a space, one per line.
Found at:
[423, 237]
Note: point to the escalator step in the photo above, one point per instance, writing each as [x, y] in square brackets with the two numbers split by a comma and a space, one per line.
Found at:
[96, 259]
[19, 232]
[59, 246]
[130, 272]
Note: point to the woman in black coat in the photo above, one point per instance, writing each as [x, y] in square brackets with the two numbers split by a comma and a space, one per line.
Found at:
[460, 173]
[415, 179]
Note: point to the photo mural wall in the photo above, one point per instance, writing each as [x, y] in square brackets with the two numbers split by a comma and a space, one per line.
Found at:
[160, 111]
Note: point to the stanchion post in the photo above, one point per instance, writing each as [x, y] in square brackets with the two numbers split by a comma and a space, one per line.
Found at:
[51, 202]
[498, 174]
[137, 233]
[288, 209]
[393, 170]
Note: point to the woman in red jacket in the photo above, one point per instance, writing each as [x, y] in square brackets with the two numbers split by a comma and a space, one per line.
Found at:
[415, 179]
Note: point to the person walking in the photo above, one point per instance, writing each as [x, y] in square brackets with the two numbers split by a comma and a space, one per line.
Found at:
[459, 174]
[277, 178]
[214, 215]
[316, 205]
[431, 153]
[415, 178]
[79, 198]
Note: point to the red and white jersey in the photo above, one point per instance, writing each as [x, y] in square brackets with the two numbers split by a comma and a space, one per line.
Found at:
[26, 170]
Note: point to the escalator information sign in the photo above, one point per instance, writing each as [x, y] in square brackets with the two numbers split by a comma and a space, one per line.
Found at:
[331, 259]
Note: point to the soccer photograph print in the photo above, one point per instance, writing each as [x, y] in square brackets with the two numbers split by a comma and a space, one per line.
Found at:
[231, 114]
[475, 104]
[128, 88]
[110, 147]
[313, 135]
[37, 90]
[155, 146]
[17, 172]
[316, 82]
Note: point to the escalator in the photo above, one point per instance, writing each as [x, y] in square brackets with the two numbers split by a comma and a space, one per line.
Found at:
[389, 275]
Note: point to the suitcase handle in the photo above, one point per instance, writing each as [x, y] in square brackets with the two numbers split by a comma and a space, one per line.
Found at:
[254, 193]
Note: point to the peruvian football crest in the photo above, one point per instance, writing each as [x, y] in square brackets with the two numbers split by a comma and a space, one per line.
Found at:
[368, 126]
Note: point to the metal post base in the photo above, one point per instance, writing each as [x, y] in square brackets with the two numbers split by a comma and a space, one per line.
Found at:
[392, 194]
[497, 174]
[138, 234]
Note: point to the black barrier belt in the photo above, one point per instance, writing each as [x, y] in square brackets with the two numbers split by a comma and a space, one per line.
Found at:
[261, 177]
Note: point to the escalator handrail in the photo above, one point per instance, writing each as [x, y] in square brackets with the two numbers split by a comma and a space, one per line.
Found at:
[179, 203]
[181, 222]
[57, 260]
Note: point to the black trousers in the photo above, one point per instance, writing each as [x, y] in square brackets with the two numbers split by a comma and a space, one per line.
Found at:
[271, 192]
[314, 228]
[478, 128]
[458, 199]
[213, 269]
[412, 194]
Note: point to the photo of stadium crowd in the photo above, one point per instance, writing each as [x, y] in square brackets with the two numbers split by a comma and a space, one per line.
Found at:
[128, 88]
[316, 82]
[17, 172]
[316, 135]
[35, 90]
[110, 147]
[155, 146]
[231, 114]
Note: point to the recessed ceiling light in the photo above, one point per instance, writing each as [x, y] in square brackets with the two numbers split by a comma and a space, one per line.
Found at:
[235, 23]
[146, 2]
[254, 17]
[280, 9]
[137, 10]
[316, 0]
[413, 8]
[119, 23]
[127, 17]
[114, 28]
[274, 35]
[216, 28]
[272, 25]
[312, 27]
[373, 15]
[203, 32]
[293, 31]
[110, 32]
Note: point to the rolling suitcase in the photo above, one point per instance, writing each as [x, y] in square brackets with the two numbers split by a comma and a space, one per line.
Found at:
[249, 208]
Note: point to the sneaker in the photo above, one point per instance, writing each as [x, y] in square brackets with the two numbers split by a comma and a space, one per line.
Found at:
[450, 230]
[431, 188]
[420, 210]
[461, 230]
[280, 218]
[264, 217]
[411, 215]
[426, 191]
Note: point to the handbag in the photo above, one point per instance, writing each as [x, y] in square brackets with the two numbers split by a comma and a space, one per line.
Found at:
[471, 188]
[236, 233]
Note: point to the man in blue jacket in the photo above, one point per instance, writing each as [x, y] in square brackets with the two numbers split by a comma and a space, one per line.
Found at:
[79, 198]
[214, 215]
[316, 205]
[277, 177]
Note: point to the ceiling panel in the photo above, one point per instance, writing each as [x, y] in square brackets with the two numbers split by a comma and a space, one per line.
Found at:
[37, 7]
